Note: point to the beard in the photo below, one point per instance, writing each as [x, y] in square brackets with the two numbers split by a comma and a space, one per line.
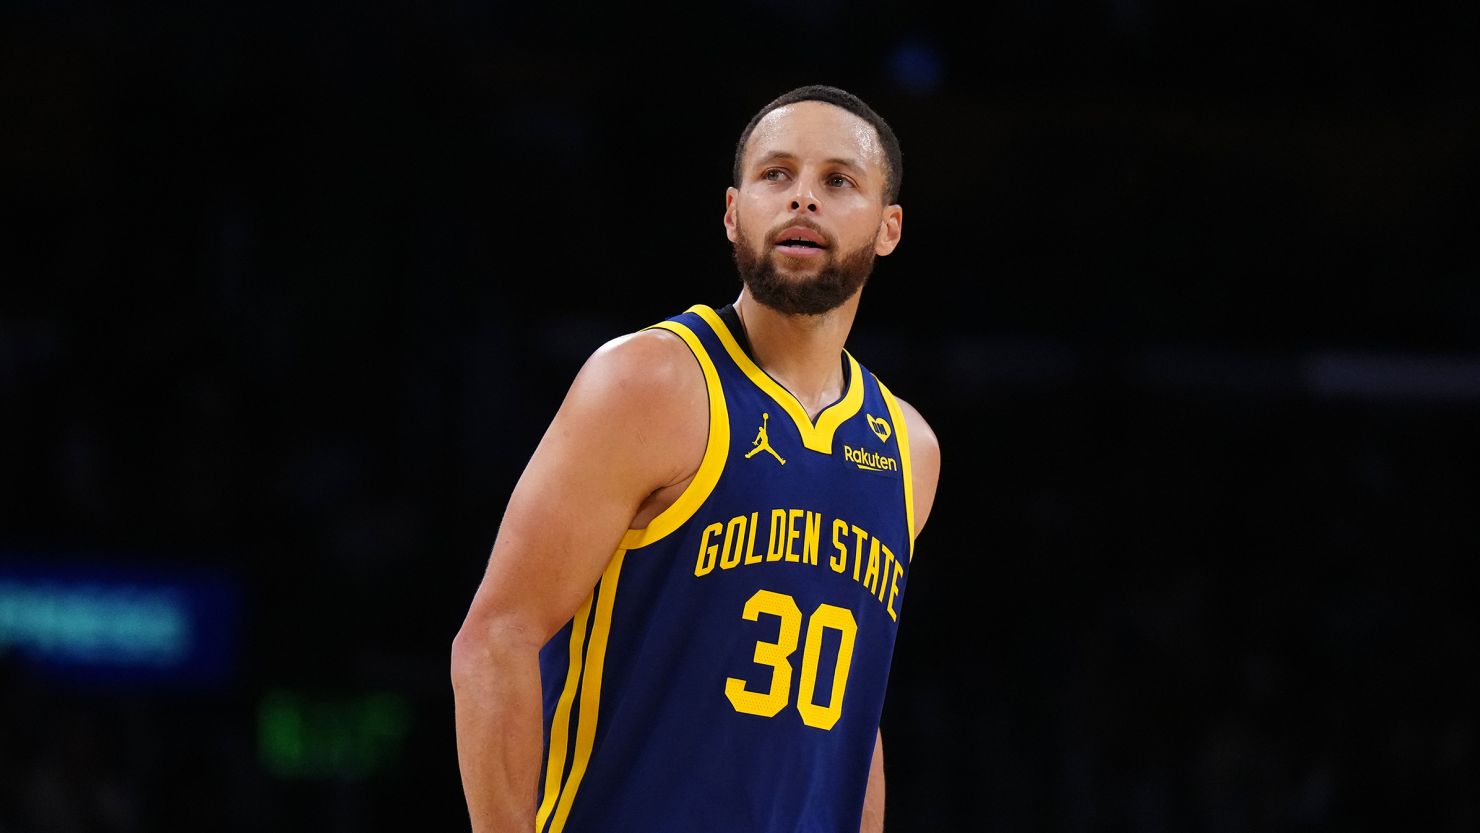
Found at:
[840, 277]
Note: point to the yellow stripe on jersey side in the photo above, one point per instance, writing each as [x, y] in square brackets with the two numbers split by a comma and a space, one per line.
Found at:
[902, 437]
[715, 451]
[560, 724]
[817, 437]
[590, 690]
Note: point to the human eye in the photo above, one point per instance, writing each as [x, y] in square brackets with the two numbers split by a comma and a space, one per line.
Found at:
[773, 174]
[839, 181]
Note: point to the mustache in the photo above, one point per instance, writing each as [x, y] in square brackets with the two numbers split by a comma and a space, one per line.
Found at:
[800, 222]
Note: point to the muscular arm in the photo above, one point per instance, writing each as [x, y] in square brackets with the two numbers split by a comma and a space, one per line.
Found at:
[925, 475]
[924, 462]
[873, 799]
[633, 422]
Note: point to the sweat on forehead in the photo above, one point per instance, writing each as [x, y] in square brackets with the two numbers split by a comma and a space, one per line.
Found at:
[827, 111]
[778, 128]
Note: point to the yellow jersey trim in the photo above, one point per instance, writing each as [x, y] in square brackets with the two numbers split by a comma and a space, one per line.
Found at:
[590, 690]
[902, 437]
[560, 724]
[817, 437]
[715, 451]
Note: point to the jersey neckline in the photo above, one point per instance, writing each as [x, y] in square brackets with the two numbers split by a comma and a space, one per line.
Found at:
[818, 435]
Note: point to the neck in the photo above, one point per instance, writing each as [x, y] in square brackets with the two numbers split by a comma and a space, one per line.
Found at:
[802, 352]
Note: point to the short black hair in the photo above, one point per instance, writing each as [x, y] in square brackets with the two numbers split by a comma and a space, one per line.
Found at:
[848, 101]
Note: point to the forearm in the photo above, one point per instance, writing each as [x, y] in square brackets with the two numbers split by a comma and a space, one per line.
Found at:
[496, 694]
[873, 799]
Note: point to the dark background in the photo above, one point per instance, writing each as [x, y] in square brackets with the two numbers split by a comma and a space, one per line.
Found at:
[1188, 290]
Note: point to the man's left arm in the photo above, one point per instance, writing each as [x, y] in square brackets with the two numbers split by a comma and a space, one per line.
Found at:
[925, 456]
[873, 798]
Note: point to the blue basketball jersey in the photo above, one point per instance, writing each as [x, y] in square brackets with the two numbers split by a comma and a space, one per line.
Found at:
[728, 671]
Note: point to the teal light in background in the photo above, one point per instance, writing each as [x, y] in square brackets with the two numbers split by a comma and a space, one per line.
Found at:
[347, 737]
[94, 623]
[114, 621]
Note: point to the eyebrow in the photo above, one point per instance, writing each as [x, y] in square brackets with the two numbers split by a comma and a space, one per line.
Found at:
[836, 161]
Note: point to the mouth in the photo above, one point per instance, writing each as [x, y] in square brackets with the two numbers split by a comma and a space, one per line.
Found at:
[800, 242]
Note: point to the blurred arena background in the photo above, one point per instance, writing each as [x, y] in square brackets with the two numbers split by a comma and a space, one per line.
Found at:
[1189, 291]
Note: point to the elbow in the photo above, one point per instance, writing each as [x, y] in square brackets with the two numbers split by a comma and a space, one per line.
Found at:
[481, 647]
[474, 652]
[465, 656]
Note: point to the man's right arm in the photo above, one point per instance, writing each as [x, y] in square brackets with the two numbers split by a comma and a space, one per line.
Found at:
[633, 422]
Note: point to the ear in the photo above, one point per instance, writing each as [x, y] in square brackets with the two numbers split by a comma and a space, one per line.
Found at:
[889, 230]
[730, 213]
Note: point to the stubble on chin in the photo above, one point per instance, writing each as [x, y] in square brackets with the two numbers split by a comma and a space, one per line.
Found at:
[821, 291]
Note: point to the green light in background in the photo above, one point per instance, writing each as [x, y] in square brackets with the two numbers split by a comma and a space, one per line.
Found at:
[349, 737]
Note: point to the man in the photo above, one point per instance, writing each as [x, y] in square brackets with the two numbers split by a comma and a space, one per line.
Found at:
[687, 619]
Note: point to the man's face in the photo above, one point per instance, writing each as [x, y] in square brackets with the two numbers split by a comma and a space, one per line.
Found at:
[809, 217]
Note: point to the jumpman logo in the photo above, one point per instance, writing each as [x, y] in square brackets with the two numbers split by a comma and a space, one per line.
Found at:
[762, 442]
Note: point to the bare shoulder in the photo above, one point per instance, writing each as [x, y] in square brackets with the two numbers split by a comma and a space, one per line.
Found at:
[924, 461]
[633, 420]
[646, 391]
[652, 362]
[923, 441]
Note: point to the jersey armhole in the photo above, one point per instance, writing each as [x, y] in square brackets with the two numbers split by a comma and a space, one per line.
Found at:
[715, 450]
[902, 436]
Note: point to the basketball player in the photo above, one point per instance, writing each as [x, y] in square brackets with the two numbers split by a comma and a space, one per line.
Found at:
[688, 615]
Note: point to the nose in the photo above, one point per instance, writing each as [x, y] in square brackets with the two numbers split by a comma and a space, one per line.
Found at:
[804, 199]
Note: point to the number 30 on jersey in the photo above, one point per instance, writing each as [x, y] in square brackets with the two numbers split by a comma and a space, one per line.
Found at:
[777, 654]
